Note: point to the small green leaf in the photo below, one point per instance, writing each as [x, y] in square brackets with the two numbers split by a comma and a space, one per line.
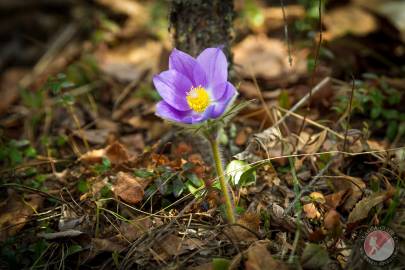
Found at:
[30, 152]
[150, 191]
[83, 186]
[283, 100]
[178, 187]
[314, 257]
[105, 192]
[197, 182]
[392, 130]
[220, 264]
[143, 173]
[188, 166]
[241, 173]
[192, 189]
[74, 249]
[16, 156]
[375, 112]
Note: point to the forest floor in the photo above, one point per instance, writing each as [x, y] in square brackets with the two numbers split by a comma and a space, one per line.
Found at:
[91, 178]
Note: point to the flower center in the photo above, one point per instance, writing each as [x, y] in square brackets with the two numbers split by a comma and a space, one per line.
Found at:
[198, 99]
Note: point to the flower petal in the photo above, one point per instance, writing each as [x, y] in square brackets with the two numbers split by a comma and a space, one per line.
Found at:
[199, 76]
[165, 111]
[173, 87]
[215, 65]
[223, 103]
[198, 118]
[182, 62]
[218, 91]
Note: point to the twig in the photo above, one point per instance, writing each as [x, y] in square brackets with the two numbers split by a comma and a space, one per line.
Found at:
[261, 96]
[298, 209]
[287, 40]
[349, 115]
[314, 90]
[307, 187]
[57, 44]
[312, 122]
[318, 48]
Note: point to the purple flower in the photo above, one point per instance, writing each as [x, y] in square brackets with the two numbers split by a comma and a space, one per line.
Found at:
[194, 90]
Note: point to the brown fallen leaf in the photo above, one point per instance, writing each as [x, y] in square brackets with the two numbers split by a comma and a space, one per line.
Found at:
[109, 244]
[248, 220]
[259, 258]
[267, 58]
[15, 211]
[9, 87]
[311, 211]
[128, 188]
[94, 136]
[173, 245]
[115, 152]
[363, 207]
[332, 220]
[135, 228]
[243, 136]
[349, 19]
[129, 61]
[355, 186]
[313, 142]
[392, 10]
[335, 199]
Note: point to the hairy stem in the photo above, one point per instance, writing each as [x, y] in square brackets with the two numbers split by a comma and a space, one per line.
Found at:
[220, 172]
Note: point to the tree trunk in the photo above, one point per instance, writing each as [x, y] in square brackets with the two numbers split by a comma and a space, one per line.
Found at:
[199, 24]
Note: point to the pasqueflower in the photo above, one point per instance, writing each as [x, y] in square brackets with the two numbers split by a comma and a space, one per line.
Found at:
[194, 89]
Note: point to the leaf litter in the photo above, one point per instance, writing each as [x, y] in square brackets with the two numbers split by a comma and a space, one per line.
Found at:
[110, 185]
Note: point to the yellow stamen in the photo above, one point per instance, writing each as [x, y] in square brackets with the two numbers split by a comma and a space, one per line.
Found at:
[198, 99]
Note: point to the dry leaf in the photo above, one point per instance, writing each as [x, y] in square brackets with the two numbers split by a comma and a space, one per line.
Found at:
[335, 199]
[128, 62]
[242, 136]
[58, 235]
[15, 211]
[110, 244]
[355, 186]
[116, 154]
[332, 220]
[311, 211]
[274, 19]
[364, 206]
[313, 143]
[173, 245]
[264, 145]
[135, 228]
[128, 188]
[94, 136]
[348, 19]
[392, 10]
[9, 87]
[267, 58]
[249, 220]
[259, 258]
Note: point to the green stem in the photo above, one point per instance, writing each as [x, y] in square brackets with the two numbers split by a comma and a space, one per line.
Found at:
[220, 172]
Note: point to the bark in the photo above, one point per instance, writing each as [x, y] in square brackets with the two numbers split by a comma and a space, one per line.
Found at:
[199, 24]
